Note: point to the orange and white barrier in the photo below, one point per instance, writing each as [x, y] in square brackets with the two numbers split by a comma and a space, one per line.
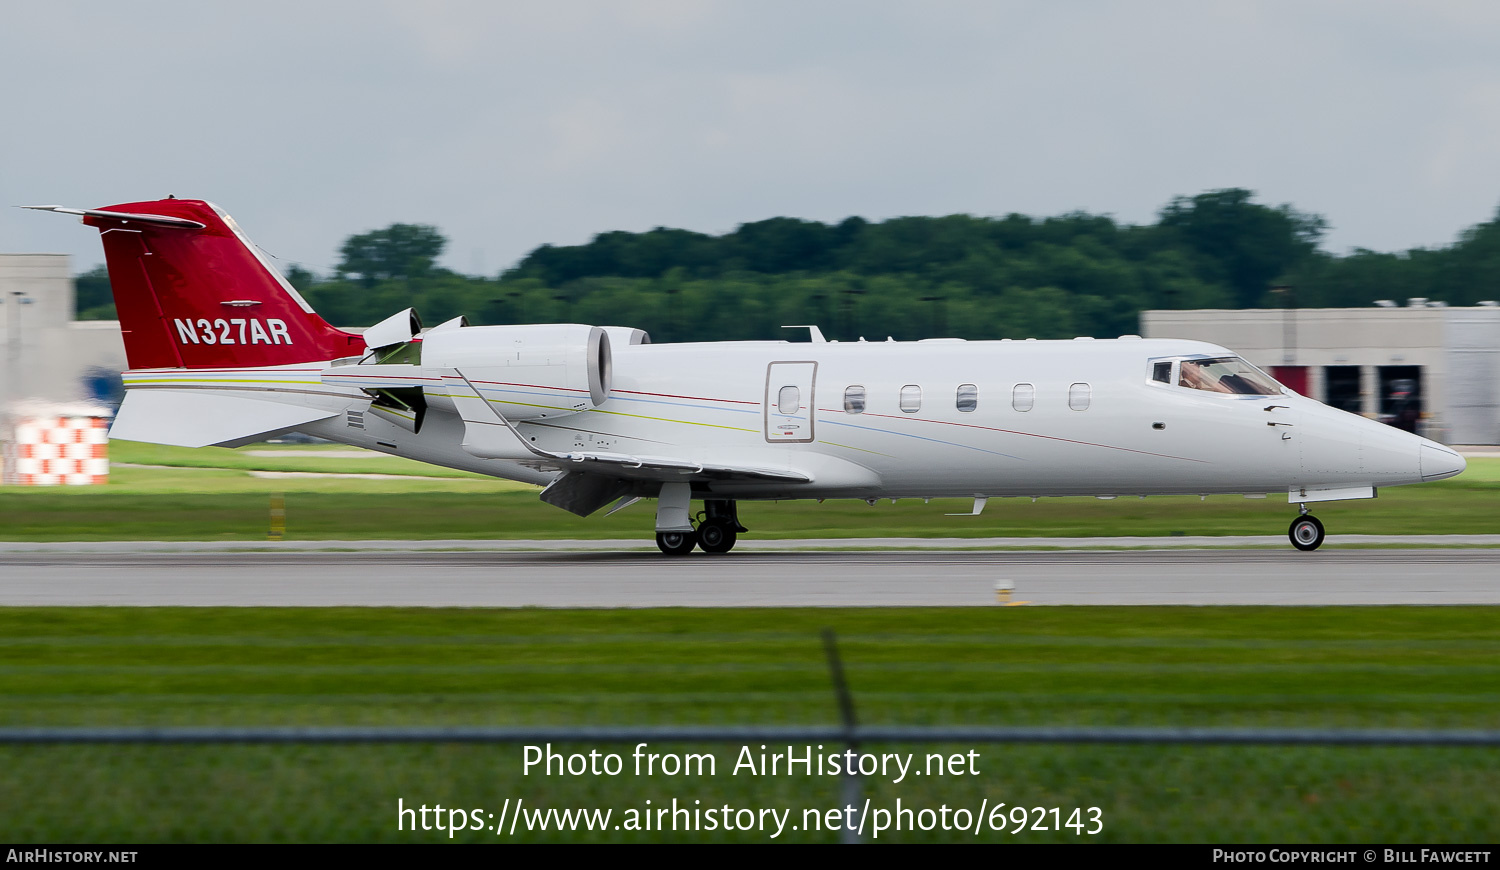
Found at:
[50, 451]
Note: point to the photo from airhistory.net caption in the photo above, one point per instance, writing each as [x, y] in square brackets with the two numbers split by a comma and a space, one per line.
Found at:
[667, 813]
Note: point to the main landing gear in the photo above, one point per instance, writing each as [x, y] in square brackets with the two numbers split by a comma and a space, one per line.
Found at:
[717, 530]
[1306, 532]
[676, 543]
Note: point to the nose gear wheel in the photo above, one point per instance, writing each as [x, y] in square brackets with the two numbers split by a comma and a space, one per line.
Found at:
[1306, 532]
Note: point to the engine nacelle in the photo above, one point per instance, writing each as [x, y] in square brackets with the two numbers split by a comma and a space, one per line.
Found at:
[529, 372]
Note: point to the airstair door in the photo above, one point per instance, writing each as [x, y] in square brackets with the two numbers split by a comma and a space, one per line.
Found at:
[789, 407]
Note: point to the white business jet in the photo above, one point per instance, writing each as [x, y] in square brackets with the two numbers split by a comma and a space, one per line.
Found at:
[223, 351]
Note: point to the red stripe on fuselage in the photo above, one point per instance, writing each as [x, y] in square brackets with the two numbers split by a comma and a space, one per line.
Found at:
[694, 398]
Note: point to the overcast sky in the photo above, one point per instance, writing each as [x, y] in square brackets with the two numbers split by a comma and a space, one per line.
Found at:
[510, 125]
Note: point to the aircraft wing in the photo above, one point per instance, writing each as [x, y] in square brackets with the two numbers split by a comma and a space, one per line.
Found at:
[190, 418]
[591, 479]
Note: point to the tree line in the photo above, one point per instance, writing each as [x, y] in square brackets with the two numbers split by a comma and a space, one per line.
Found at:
[912, 277]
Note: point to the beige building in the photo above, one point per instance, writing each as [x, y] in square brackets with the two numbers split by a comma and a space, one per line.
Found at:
[1421, 366]
[47, 356]
[58, 377]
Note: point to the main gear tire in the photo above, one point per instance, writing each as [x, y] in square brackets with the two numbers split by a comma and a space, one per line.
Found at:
[676, 543]
[716, 536]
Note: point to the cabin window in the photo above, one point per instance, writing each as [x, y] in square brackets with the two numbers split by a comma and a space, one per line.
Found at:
[1079, 396]
[1023, 397]
[1227, 374]
[788, 400]
[854, 399]
[1162, 371]
[968, 397]
[911, 398]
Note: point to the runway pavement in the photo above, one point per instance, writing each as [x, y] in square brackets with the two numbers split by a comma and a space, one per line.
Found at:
[749, 544]
[750, 579]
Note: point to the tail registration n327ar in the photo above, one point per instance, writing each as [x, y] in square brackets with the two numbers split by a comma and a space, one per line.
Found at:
[222, 350]
[222, 331]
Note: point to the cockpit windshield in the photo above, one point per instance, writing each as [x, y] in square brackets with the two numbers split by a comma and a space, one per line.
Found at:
[1226, 374]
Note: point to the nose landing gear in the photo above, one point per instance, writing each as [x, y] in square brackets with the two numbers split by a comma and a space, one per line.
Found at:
[1306, 531]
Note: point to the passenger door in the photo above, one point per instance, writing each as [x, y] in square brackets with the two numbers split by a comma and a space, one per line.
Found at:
[789, 408]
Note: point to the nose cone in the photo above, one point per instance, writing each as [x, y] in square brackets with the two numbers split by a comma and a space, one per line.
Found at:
[1438, 462]
[1388, 455]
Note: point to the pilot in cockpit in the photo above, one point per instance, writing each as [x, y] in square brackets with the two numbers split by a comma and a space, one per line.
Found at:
[1195, 377]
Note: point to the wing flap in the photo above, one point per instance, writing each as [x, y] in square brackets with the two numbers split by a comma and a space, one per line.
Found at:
[583, 492]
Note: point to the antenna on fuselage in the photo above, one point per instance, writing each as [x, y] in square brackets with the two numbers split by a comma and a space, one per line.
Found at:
[814, 332]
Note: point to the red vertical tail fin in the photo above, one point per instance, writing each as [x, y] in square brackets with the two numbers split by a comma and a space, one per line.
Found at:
[192, 291]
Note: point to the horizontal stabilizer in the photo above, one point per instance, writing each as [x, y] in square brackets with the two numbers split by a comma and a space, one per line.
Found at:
[198, 419]
[159, 220]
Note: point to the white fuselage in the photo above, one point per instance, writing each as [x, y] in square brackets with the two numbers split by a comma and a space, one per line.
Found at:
[1096, 423]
